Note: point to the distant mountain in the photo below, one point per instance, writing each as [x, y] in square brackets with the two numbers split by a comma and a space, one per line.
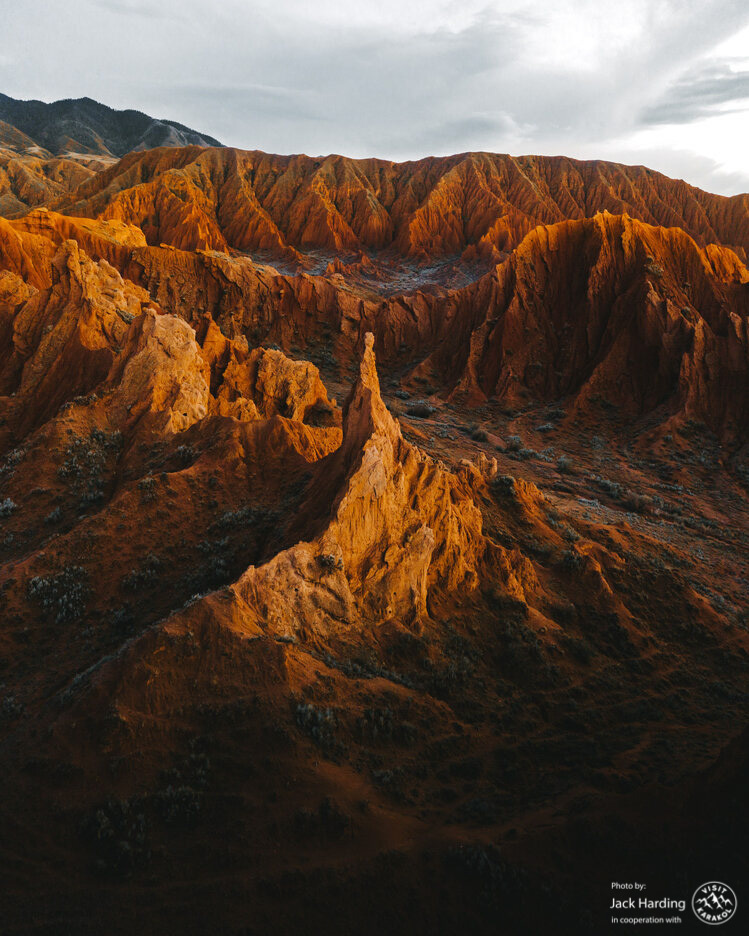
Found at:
[85, 126]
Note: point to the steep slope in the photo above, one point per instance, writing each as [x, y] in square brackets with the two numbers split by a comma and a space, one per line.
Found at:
[438, 207]
[60, 343]
[311, 671]
[421, 660]
[83, 126]
[602, 309]
[74, 325]
[400, 524]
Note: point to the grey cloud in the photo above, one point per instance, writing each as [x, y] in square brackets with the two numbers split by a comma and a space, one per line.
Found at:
[251, 99]
[693, 168]
[475, 132]
[258, 77]
[363, 94]
[139, 8]
[700, 93]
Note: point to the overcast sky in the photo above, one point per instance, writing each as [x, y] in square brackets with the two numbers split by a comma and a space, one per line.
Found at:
[660, 82]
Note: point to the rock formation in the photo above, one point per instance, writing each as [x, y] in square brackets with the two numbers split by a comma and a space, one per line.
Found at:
[438, 207]
[635, 323]
[399, 525]
[27, 182]
[261, 656]
[62, 340]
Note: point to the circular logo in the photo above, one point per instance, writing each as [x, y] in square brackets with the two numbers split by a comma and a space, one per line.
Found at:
[714, 903]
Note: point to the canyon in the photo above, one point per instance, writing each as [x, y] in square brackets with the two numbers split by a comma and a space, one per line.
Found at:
[373, 538]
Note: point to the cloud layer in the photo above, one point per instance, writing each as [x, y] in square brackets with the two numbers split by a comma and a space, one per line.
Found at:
[633, 81]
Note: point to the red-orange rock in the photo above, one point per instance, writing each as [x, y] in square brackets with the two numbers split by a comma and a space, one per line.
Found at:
[159, 371]
[273, 384]
[400, 526]
[61, 341]
[251, 201]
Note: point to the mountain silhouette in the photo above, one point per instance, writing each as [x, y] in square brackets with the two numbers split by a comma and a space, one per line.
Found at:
[85, 126]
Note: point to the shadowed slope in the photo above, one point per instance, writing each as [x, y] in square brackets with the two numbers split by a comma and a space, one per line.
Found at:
[604, 308]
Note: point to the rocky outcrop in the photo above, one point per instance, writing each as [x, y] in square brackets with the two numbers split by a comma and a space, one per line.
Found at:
[389, 524]
[70, 325]
[606, 308]
[162, 369]
[160, 372]
[602, 308]
[273, 384]
[481, 203]
[26, 255]
[60, 341]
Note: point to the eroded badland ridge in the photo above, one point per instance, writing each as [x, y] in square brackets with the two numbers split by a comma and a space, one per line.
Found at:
[372, 536]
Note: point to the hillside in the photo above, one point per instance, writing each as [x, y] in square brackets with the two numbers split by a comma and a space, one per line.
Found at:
[373, 536]
[474, 205]
[84, 126]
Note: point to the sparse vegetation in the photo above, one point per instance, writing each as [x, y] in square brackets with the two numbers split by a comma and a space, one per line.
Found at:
[421, 409]
[571, 560]
[578, 647]
[382, 724]
[251, 515]
[330, 562]
[119, 833]
[640, 503]
[11, 708]
[7, 507]
[214, 570]
[503, 485]
[63, 595]
[12, 459]
[146, 575]
[185, 455]
[179, 805]
[147, 488]
[86, 460]
[328, 819]
[320, 724]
